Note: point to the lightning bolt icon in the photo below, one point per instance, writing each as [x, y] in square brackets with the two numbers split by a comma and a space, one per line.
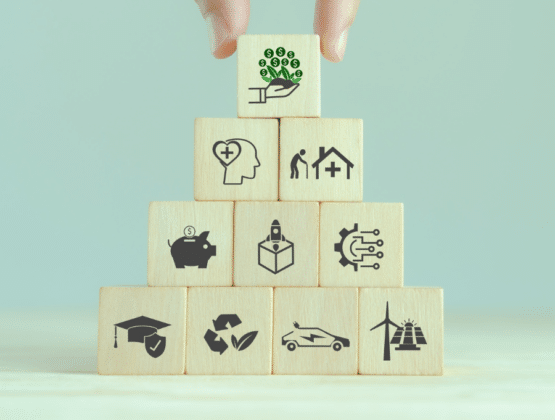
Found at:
[312, 337]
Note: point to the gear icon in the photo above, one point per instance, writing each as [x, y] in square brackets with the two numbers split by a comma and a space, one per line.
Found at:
[353, 248]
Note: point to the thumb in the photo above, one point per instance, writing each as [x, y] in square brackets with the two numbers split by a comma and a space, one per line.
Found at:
[332, 21]
[225, 20]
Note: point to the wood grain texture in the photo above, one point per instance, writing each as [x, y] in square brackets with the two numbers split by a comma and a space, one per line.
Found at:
[119, 304]
[333, 311]
[167, 221]
[253, 306]
[387, 218]
[331, 178]
[421, 306]
[304, 101]
[251, 170]
[253, 256]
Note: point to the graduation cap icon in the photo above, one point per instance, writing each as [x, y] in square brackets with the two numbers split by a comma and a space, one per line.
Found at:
[144, 330]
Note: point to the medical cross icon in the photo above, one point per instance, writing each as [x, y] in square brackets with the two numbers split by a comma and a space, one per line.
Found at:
[227, 152]
[333, 169]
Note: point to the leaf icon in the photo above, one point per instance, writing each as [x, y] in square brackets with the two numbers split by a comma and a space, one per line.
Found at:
[245, 341]
[234, 341]
[272, 71]
[285, 73]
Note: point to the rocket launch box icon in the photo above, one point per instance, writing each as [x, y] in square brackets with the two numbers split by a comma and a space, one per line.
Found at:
[276, 253]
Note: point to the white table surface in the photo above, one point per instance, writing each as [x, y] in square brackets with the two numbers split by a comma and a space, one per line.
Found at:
[497, 366]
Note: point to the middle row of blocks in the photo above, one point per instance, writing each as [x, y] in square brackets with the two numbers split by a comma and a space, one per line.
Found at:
[275, 244]
[293, 159]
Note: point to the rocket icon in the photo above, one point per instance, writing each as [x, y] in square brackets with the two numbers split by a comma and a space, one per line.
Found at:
[276, 253]
[275, 232]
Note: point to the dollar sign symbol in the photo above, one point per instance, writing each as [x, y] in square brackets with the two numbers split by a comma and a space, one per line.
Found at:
[189, 231]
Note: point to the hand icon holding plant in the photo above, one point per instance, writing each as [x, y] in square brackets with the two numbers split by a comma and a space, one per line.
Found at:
[282, 82]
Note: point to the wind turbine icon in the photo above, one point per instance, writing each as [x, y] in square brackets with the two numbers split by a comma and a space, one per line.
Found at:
[387, 322]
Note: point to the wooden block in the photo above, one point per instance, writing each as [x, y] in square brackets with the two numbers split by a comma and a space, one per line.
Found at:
[320, 159]
[315, 331]
[236, 159]
[276, 244]
[229, 331]
[410, 321]
[141, 330]
[190, 243]
[361, 245]
[278, 76]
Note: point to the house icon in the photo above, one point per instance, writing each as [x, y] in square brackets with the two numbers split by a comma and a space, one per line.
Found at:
[332, 169]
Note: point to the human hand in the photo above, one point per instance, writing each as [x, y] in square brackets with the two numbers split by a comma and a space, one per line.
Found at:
[227, 19]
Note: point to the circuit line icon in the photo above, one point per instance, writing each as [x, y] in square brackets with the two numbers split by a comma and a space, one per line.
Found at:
[355, 246]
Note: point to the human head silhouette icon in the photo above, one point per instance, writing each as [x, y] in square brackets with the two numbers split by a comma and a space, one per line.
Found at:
[239, 159]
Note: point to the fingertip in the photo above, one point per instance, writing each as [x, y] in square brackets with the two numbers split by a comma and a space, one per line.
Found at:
[333, 48]
[226, 20]
[332, 21]
[226, 49]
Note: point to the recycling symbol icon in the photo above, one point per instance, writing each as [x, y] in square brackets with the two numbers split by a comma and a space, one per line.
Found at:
[220, 324]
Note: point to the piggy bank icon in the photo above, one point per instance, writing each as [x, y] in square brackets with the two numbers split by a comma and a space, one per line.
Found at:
[191, 250]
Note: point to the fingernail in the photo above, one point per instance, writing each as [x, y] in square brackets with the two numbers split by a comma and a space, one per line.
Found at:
[338, 46]
[217, 31]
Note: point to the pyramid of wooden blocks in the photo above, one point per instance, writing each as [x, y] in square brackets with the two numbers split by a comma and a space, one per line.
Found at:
[277, 267]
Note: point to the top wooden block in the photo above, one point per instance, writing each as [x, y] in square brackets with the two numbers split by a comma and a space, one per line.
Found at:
[278, 76]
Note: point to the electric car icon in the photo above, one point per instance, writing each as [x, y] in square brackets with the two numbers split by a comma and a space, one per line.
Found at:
[312, 337]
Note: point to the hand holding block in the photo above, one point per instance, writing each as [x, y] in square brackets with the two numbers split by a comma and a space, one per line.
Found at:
[278, 76]
[276, 244]
[401, 331]
[361, 245]
[320, 159]
[229, 331]
[141, 331]
[190, 243]
[315, 331]
[236, 159]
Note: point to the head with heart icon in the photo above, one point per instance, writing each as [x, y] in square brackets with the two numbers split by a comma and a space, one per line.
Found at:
[238, 157]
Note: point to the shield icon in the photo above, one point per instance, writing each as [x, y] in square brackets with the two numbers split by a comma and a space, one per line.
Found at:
[155, 345]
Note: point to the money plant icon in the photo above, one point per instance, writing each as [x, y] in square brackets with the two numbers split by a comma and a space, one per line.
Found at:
[275, 65]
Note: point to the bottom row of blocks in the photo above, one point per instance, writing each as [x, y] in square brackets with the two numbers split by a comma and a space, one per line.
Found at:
[262, 331]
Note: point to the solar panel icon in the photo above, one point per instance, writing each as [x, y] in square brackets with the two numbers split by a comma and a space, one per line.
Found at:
[411, 333]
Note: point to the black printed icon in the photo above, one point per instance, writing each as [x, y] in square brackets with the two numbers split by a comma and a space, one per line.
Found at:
[312, 337]
[329, 157]
[239, 159]
[330, 164]
[276, 253]
[191, 250]
[143, 330]
[221, 324]
[355, 246]
[407, 333]
[281, 80]
[295, 162]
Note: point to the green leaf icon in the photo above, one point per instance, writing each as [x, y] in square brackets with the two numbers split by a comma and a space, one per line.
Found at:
[273, 72]
[285, 73]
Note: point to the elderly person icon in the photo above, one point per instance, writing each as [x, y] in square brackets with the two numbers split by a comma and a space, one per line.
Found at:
[295, 161]
[239, 159]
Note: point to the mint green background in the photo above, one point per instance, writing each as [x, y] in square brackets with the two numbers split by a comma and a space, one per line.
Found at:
[98, 98]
